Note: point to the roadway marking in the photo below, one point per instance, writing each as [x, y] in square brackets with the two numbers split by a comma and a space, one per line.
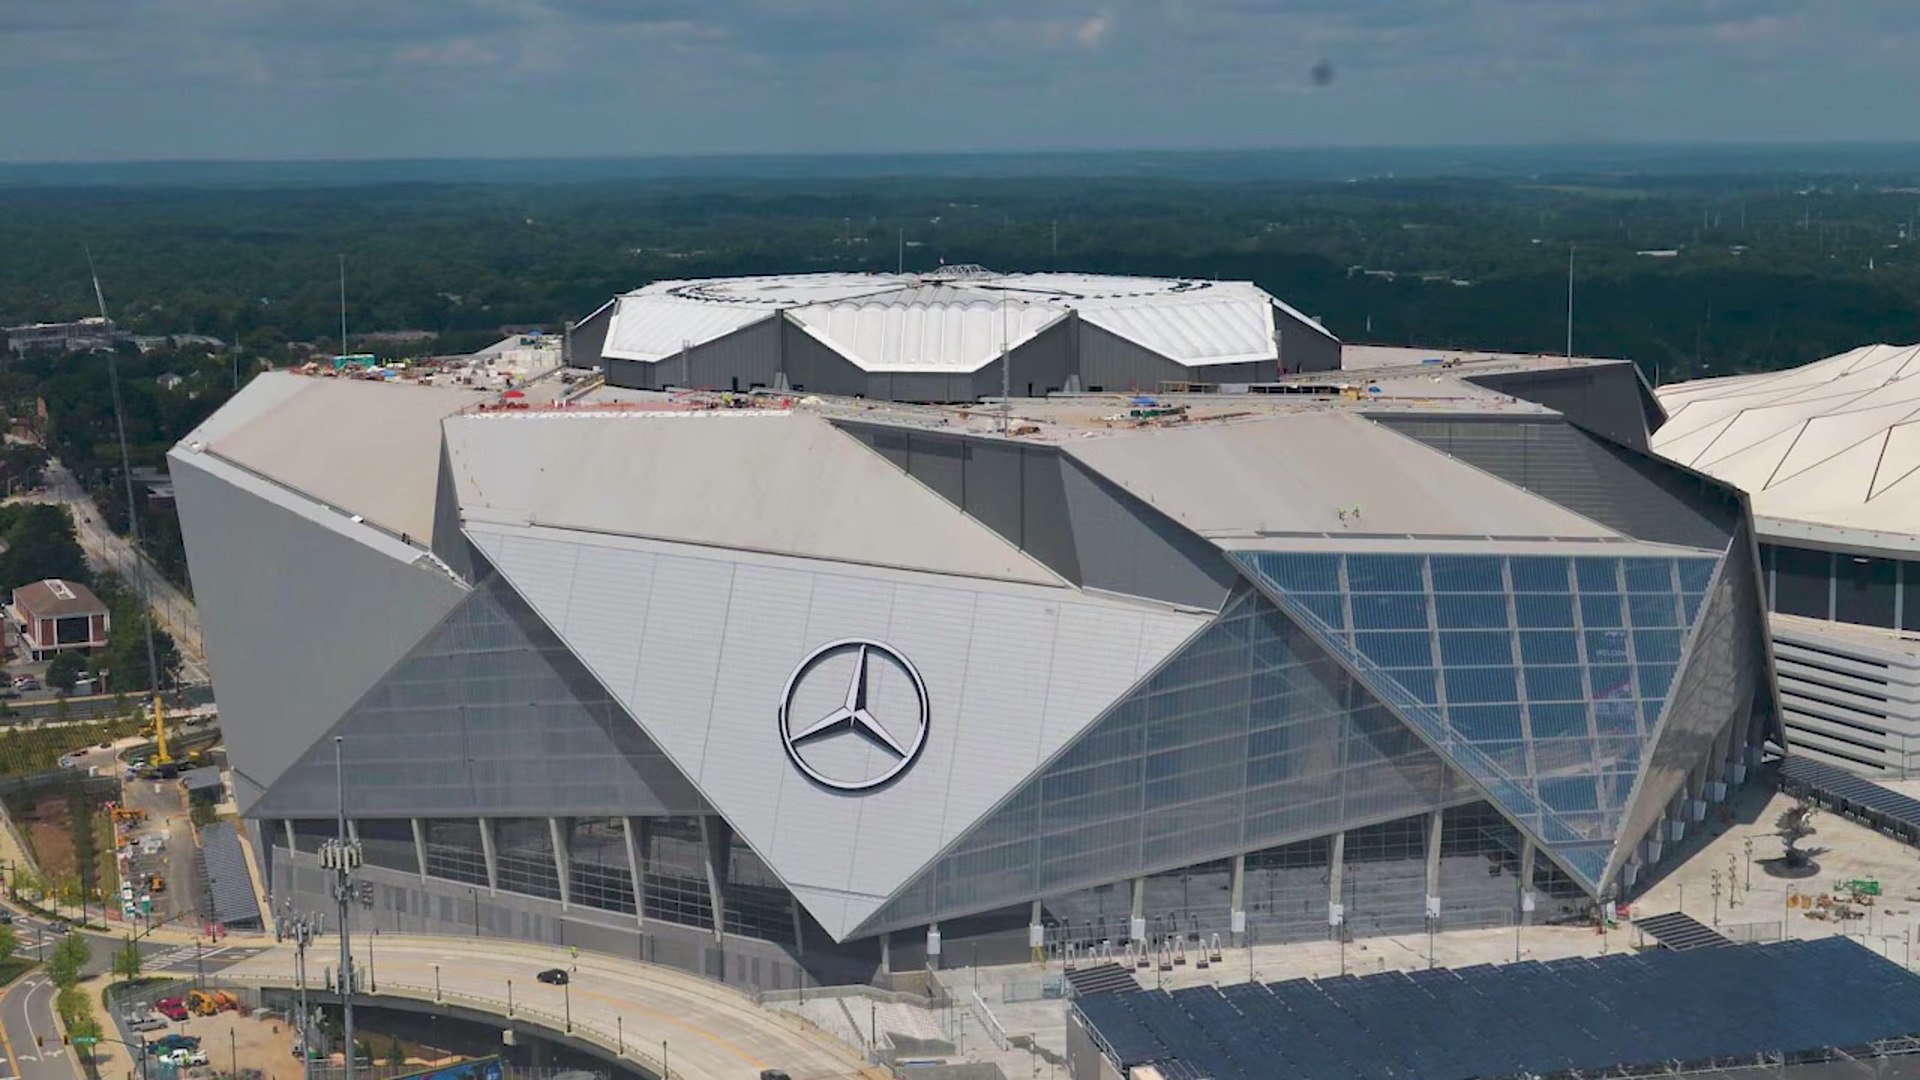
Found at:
[26, 1012]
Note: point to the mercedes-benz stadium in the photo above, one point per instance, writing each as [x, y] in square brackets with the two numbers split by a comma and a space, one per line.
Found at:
[777, 688]
[1829, 452]
[939, 336]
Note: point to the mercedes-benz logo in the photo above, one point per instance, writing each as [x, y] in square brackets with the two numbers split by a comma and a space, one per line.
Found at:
[854, 715]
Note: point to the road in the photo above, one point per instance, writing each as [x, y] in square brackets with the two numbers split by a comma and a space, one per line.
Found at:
[108, 550]
[704, 1030]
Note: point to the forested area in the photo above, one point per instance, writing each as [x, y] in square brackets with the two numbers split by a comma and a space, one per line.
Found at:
[1768, 270]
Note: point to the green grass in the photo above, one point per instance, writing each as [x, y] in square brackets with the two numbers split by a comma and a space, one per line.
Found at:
[13, 967]
[26, 750]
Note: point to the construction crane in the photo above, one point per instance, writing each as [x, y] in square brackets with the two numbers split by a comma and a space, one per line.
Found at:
[133, 530]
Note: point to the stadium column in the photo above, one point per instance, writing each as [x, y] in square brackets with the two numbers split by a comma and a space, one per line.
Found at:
[1036, 934]
[486, 852]
[713, 831]
[633, 871]
[1336, 870]
[288, 824]
[419, 846]
[556, 827]
[1435, 822]
[1527, 899]
[1137, 927]
[1236, 908]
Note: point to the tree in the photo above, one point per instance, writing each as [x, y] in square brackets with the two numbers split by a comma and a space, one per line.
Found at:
[25, 880]
[64, 670]
[126, 960]
[72, 954]
[396, 1054]
[41, 544]
[9, 941]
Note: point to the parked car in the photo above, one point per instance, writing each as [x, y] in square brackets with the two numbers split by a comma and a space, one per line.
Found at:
[59, 926]
[6, 918]
[175, 1041]
[147, 1022]
[183, 1057]
[26, 682]
[553, 976]
[172, 1008]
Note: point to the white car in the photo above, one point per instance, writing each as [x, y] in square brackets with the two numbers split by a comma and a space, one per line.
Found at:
[185, 1057]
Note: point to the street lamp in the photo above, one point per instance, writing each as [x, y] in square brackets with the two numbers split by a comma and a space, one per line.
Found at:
[1716, 897]
[1749, 846]
[509, 997]
[436, 982]
[566, 998]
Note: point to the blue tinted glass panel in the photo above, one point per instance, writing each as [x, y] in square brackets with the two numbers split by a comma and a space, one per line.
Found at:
[1690, 607]
[1539, 573]
[1396, 649]
[1467, 573]
[1470, 648]
[1390, 611]
[1384, 573]
[1654, 681]
[1555, 684]
[1616, 715]
[1602, 610]
[1301, 573]
[1326, 608]
[1609, 681]
[1597, 575]
[1656, 646]
[1578, 793]
[1555, 721]
[1543, 610]
[1648, 575]
[1549, 647]
[1468, 612]
[1487, 723]
[1647, 609]
[1695, 574]
[1606, 647]
[1475, 686]
[1419, 683]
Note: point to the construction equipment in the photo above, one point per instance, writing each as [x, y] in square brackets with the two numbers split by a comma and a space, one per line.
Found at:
[156, 884]
[160, 755]
[128, 815]
[203, 1003]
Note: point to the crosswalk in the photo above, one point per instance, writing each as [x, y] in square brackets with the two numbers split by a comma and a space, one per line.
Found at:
[184, 956]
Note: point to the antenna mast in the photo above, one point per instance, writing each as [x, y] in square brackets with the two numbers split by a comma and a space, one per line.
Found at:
[133, 524]
[343, 306]
[1569, 300]
[1006, 371]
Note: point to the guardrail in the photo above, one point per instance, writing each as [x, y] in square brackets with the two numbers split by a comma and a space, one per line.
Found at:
[989, 1021]
[612, 1041]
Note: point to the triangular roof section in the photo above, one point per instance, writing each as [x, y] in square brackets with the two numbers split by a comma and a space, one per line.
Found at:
[1541, 677]
[698, 644]
[926, 328]
[777, 482]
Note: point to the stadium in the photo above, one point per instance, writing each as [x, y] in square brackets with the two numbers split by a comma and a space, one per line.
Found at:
[940, 336]
[1828, 453]
[783, 689]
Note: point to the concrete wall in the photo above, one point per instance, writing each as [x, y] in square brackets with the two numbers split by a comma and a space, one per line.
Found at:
[1305, 346]
[590, 336]
[1111, 363]
[1603, 399]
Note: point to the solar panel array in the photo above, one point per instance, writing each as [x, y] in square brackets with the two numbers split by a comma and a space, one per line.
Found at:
[1679, 931]
[1101, 979]
[1533, 1018]
[1844, 791]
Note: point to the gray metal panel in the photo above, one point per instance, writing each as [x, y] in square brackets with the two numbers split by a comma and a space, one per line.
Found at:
[446, 542]
[1126, 546]
[742, 360]
[1304, 346]
[1008, 676]
[1602, 398]
[277, 583]
[993, 485]
[938, 386]
[1040, 366]
[488, 716]
[1248, 737]
[590, 335]
[1640, 495]
[1046, 530]
[632, 374]
[815, 367]
[1112, 363]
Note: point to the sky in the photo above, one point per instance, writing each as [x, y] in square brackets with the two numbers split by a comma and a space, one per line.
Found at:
[118, 80]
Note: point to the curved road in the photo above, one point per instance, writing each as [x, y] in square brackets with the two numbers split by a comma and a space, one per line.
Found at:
[709, 1032]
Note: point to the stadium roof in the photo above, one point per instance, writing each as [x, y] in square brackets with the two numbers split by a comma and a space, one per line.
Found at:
[954, 319]
[228, 881]
[1832, 444]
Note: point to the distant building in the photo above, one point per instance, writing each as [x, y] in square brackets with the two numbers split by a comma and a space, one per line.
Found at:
[939, 336]
[80, 336]
[55, 615]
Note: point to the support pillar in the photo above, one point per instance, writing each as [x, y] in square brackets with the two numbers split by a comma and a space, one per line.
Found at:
[287, 828]
[420, 847]
[1137, 925]
[1036, 934]
[1435, 823]
[1528, 899]
[1336, 873]
[933, 946]
[886, 952]
[1237, 903]
[634, 873]
[557, 829]
[713, 831]
[353, 830]
[799, 927]
[486, 851]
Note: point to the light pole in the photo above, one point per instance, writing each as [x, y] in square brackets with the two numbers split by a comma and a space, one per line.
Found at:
[1749, 846]
[302, 929]
[1716, 897]
[620, 1034]
[436, 982]
[566, 999]
[233, 1052]
[342, 856]
[665, 1072]
[509, 997]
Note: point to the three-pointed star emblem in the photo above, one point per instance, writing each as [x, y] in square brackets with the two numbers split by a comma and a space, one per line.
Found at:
[855, 714]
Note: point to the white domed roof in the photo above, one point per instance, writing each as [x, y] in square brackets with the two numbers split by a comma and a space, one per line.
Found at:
[1835, 442]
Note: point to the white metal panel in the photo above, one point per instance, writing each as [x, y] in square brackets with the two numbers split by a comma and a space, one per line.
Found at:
[656, 326]
[607, 599]
[1012, 672]
[1227, 324]
[933, 329]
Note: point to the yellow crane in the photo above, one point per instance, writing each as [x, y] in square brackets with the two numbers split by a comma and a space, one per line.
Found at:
[160, 756]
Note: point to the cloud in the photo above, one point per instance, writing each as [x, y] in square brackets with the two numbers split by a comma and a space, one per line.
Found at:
[292, 77]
